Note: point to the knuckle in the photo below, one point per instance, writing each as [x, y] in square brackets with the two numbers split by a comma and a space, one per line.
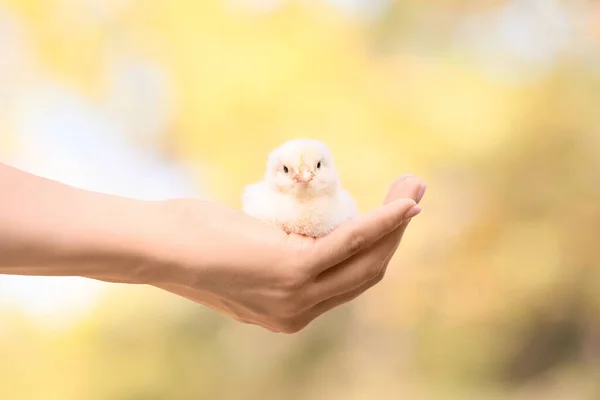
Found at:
[372, 271]
[297, 269]
[357, 242]
[368, 285]
[291, 326]
[292, 280]
[400, 180]
[378, 278]
[290, 305]
[387, 226]
[405, 178]
[242, 320]
[375, 272]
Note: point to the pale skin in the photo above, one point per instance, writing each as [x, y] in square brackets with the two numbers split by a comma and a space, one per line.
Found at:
[211, 254]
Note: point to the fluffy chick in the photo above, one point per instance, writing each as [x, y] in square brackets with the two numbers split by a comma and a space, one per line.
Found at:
[301, 191]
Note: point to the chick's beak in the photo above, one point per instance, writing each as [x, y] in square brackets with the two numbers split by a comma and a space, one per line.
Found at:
[303, 176]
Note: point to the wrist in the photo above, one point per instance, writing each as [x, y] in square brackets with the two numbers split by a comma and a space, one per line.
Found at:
[122, 240]
[148, 242]
[133, 241]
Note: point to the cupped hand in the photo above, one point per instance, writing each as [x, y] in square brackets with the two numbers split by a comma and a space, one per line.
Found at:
[256, 273]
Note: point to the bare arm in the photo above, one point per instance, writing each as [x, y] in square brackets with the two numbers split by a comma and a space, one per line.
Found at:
[48, 228]
[208, 253]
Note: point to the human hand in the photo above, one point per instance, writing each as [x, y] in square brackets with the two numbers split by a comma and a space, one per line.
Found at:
[258, 274]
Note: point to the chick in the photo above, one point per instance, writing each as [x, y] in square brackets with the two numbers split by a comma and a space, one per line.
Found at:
[301, 190]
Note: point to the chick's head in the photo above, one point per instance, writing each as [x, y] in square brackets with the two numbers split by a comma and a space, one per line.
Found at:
[302, 167]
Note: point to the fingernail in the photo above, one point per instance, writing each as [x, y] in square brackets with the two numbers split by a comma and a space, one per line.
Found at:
[413, 212]
[421, 192]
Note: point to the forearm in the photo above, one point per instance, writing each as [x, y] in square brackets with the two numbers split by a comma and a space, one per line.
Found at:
[51, 229]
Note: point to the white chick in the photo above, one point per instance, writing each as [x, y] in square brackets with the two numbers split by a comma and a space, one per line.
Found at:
[301, 191]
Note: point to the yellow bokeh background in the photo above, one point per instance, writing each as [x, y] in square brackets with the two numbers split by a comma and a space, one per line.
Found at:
[494, 291]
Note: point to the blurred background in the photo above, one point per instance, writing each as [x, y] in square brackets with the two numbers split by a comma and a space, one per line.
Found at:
[495, 292]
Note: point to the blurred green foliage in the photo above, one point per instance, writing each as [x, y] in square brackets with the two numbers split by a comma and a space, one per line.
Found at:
[495, 293]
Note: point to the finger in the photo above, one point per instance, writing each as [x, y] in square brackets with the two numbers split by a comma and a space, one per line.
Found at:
[359, 234]
[342, 243]
[408, 186]
[336, 301]
[353, 272]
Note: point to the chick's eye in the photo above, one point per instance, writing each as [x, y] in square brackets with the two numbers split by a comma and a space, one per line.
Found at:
[285, 169]
[319, 165]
